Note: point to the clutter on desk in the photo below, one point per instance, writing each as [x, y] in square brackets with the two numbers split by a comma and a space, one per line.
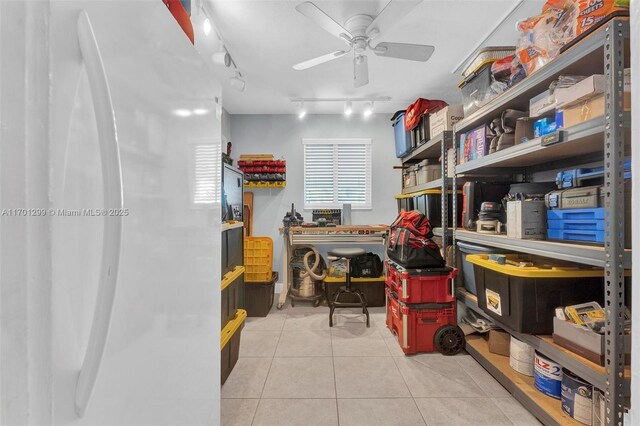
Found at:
[292, 218]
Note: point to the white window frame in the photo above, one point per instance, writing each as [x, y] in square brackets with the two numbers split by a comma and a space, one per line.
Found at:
[335, 142]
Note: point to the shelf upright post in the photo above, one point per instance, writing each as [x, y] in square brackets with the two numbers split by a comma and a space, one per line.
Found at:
[614, 144]
[444, 196]
[454, 202]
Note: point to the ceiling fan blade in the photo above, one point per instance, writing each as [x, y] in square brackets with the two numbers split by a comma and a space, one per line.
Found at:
[319, 60]
[314, 13]
[412, 52]
[390, 15]
[360, 71]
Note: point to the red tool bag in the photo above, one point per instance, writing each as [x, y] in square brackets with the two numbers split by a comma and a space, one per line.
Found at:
[410, 242]
[420, 107]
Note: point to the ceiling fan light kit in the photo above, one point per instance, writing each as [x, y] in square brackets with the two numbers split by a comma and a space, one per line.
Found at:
[358, 33]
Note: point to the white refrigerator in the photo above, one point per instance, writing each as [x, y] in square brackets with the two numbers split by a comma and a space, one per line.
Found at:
[132, 222]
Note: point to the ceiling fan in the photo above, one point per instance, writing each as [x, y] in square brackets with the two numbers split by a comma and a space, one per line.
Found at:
[359, 32]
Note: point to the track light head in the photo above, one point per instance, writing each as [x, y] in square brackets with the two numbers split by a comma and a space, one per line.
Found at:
[348, 108]
[237, 83]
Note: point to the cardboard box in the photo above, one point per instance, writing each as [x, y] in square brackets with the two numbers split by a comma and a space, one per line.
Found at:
[524, 130]
[444, 119]
[583, 341]
[541, 104]
[499, 342]
[527, 219]
[593, 107]
[583, 90]
[585, 111]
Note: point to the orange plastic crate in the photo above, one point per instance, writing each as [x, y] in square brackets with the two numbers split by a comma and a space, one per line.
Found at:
[258, 259]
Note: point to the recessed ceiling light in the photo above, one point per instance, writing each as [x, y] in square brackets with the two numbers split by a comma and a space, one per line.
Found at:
[200, 111]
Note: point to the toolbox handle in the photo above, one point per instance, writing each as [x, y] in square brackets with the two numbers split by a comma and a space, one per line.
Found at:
[430, 306]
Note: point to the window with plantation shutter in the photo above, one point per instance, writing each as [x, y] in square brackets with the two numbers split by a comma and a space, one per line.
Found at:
[206, 172]
[337, 172]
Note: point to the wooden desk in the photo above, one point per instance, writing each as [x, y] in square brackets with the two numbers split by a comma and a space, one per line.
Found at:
[338, 235]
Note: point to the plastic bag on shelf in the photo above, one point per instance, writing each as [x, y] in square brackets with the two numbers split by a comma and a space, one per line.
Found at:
[542, 36]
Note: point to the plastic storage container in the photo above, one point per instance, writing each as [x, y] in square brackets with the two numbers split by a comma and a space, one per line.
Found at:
[468, 277]
[476, 89]
[421, 133]
[232, 291]
[231, 246]
[488, 55]
[416, 325]
[258, 259]
[420, 285]
[524, 298]
[372, 288]
[429, 203]
[427, 172]
[409, 177]
[259, 296]
[402, 137]
[230, 344]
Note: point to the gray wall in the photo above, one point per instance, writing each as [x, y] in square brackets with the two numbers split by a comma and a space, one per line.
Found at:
[281, 135]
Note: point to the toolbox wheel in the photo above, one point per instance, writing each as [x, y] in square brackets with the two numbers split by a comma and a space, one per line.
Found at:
[449, 340]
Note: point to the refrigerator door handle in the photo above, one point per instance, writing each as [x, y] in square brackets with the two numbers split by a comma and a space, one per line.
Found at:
[113, 203]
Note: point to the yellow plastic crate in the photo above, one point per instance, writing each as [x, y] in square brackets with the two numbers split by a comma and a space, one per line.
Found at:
[543, 268]
[258, 259]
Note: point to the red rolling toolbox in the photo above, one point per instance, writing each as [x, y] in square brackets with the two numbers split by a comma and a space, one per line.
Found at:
[432, 285]
[424, 327]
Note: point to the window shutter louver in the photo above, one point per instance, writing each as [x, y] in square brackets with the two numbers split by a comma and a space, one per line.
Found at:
[206, 171]
[337, 172]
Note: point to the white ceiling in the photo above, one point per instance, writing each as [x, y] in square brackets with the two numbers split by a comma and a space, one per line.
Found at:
[267, 37]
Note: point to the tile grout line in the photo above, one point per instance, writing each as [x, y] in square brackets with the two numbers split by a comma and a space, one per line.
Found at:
[335, 384]
[255, 413]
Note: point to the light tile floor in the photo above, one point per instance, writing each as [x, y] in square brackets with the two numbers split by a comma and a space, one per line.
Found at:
[295, 370]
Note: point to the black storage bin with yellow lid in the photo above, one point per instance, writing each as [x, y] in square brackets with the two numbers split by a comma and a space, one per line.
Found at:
[230, 344]
[232, 287]
[259, 296]
[522, 293]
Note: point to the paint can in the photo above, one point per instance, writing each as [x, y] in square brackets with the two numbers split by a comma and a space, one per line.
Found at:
[521, 357]
[577, 397]
[547, 376]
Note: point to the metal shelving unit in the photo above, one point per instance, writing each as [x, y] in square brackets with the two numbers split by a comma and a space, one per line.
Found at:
[435, 148]
[605, 139]
[591, 372]
[580, 253]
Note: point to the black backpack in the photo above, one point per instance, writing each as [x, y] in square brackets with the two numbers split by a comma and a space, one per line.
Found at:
[366, 266]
